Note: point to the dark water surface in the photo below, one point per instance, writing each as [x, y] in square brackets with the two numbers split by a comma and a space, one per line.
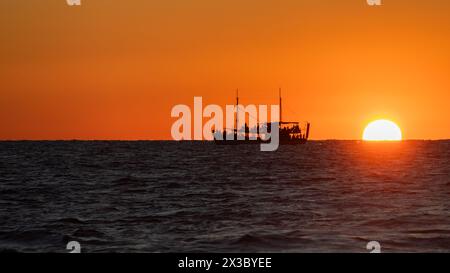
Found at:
[184, 197]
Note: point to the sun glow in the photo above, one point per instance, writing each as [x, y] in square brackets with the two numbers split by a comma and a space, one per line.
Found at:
[382, 130]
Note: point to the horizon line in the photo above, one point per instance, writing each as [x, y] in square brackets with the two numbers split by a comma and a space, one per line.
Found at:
[170, 140]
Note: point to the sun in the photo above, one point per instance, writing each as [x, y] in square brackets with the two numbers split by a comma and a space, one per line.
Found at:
[382, 130]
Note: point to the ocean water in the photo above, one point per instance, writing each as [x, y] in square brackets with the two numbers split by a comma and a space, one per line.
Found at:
[324, 196]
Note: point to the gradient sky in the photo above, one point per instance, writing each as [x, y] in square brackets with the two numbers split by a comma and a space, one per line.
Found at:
[113, 69]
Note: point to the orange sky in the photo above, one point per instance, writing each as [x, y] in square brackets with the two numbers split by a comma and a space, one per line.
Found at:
[113, 69]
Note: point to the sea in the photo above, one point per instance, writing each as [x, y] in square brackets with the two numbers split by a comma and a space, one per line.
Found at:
[163, 196]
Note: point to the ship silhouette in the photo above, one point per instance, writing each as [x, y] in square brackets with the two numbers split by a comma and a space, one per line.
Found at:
[290, 132]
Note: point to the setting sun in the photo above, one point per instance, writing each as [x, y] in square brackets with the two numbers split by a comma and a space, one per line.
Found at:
[382, 130]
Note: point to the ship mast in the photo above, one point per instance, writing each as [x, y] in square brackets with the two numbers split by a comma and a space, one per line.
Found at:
[281, 111]
[237, 110]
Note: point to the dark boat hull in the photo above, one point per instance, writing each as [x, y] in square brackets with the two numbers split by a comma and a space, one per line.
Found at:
[248, 142]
